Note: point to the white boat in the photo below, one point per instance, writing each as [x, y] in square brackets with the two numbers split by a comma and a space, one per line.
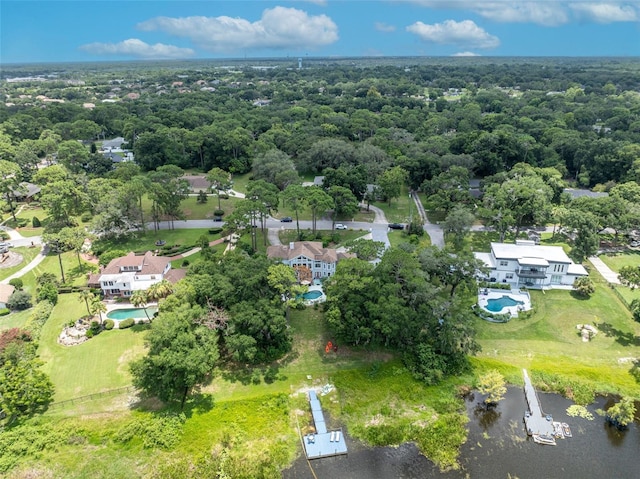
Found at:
[566, 430]
[544, 439]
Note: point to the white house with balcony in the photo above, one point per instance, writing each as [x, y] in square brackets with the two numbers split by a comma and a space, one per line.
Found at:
[528, 264]
[308, 256]
[132, 272]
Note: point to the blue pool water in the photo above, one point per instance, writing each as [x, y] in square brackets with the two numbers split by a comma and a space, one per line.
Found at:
[312, 294]
[126, 313]
[495, 305]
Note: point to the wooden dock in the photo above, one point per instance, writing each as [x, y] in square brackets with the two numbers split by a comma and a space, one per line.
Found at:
[538, 424]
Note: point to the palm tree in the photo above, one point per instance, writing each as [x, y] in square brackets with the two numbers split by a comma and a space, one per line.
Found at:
[88, 297]
[159, 290]
[98, 307]
[139, 300]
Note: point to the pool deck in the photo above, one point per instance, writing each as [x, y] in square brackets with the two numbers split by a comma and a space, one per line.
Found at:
[484, 295]
[538, 424]
[323, 443]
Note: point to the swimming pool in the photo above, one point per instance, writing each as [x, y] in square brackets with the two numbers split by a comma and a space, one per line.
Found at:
[126, 313]
[312, 294]
[495, 305]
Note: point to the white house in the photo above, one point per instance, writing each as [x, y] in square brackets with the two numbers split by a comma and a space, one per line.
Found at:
[308, 255]
[130, 273]
[527, 264]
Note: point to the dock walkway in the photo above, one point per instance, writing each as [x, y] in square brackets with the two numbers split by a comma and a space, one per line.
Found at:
[538, 424]
[323, 443]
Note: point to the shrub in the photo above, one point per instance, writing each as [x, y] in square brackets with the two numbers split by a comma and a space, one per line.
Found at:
[4, 311]
[38, 317]
[215, 231]
[35, 222]
[17, 283]
[89, 333]
[19, 300]
[95, 327]
[109, 324]
[218, 212]
[4, 235]
[185, 263]
[45, 278]
[583, 286]
[86, 217]
[127, 323]
[48, 292]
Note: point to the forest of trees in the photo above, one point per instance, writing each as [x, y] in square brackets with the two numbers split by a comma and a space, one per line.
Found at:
[525, 130]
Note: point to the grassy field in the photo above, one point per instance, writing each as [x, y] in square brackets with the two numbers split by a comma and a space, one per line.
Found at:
[14, 320]
[27, 255]
[618, 260]
[96, 365]
[548, 343]
[249, 417]
[147, 241]
[74, 274]
[397, 237]
[345, 235]
[194, 210]
[400, 210]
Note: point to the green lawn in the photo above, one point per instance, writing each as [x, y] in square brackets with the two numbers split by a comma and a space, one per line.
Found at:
[618, 260]
[14, 320]
[401, 208]
[627, 293]
[73, 273]
[146, 241]
[27, 255]
[287, 236]
[397, 237]
[194, 210]
[549, 343]
[240, 182]
[97, 365]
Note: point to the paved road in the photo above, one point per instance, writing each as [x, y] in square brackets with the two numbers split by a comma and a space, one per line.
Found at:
[378, 230]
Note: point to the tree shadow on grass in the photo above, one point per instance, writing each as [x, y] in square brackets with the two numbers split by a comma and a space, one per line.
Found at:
[246, 375]
[581, 297]
[140, 327]
[621, 337]
[198, 404]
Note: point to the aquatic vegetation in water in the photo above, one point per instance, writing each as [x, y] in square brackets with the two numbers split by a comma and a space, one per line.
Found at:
[579, 411]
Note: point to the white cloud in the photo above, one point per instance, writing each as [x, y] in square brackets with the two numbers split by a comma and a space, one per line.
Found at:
[605, 12]
[278, 28]
[384, 27]
[139, 49]
[549, 13]
[464, 33]
[542, 12]
[465, 54]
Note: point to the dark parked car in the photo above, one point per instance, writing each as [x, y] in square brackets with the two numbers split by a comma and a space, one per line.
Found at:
[286, 219]
[396, 226]
[217, 218]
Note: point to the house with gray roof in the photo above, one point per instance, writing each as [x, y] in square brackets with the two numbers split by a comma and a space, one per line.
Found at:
[528, 264]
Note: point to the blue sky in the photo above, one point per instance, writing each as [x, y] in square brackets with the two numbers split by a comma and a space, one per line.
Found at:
[94, 30]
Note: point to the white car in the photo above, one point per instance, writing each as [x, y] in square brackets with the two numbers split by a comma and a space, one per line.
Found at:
[340, 226]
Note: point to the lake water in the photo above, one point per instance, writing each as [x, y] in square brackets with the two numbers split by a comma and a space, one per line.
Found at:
[498, 447]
